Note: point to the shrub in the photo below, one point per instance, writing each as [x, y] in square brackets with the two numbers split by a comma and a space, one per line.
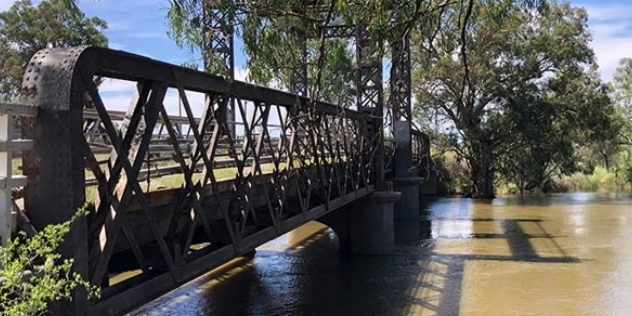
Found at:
[33, 273]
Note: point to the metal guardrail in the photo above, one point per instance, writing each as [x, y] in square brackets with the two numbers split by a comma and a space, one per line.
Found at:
[420, 148]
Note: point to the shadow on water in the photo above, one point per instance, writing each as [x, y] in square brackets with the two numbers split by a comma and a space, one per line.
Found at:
[434, 285]
[311, 278]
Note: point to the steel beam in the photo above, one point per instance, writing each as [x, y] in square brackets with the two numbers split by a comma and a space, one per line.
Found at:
[401, 105]
[370, 95]
[220, 50]
[298, 72]
[55, 168]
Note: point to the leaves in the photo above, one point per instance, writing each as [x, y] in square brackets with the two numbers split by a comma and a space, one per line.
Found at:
[33, 273]
[518, 81]
[26, 29]
[270, 31]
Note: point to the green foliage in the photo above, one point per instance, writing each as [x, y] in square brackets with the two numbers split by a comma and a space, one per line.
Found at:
[453, 174]
[33, 273]
[26, 29]
[515, 81]
[270, 31]
[599, 180]
[623, 86]
[519, 86]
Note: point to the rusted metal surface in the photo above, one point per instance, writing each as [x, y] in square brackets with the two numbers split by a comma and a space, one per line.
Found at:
[292, 159]
[219, 41]
[400, 106]
[318, 157]
[401, 93]
[55, 189]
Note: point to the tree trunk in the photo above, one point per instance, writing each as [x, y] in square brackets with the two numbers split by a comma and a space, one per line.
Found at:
[483, 183]
[482, 171]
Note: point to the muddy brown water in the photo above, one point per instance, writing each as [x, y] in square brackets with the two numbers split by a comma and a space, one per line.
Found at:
[566, 254]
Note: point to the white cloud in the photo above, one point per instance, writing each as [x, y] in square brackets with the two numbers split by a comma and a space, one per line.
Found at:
[609, 51]
[602, 13]
[116, 86]
[242, 74]
[6, 4]
[611, 28]
[153, 35]
[118, 26]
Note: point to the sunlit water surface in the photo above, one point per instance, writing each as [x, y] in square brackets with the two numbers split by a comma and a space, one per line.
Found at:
[566, 254]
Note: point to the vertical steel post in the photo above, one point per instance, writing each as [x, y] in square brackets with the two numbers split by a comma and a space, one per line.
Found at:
[55, 168]
[370, 93]
[401, 105]
[219, 33]
[298, 75]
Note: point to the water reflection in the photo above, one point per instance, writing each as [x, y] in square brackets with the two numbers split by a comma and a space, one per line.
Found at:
[557, 255]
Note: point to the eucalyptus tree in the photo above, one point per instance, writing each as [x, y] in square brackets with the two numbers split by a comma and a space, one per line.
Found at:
[505, 80]
[622, 82]
[26, 28]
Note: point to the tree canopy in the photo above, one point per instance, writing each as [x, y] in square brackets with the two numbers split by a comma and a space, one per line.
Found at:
[26, 29]
[268, 29]
[521, 91]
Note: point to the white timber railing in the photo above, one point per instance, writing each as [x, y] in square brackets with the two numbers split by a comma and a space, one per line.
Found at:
[8, 181]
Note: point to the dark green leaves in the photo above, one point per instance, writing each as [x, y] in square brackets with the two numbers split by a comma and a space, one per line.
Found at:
[26, 29]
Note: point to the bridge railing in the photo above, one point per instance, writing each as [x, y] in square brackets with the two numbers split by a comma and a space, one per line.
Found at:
[292, 160]
[9, 146]
[420, 147]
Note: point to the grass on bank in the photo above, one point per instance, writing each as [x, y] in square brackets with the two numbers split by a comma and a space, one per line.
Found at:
[601, 180]
[167, 181]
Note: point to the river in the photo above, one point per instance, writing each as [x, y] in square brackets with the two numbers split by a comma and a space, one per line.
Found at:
[568, 254]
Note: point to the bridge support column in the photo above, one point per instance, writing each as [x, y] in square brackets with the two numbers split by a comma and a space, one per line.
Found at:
[372, 223]
[55, 167]
[407, 213]
[429, 187]
[408, 207]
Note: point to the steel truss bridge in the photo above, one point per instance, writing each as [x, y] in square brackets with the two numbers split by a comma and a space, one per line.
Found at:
[244, 165]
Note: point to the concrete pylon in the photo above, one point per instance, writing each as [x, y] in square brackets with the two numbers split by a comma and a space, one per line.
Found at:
[408, 207]
[372, 223]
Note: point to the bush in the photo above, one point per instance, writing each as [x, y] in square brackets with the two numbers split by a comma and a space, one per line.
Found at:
[599, 179]
[33, 273]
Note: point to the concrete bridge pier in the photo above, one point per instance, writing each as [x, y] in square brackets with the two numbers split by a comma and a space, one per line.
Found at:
[429, 187]
[373, 227]
[408, 207]
[366, 226]
[407, 213]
